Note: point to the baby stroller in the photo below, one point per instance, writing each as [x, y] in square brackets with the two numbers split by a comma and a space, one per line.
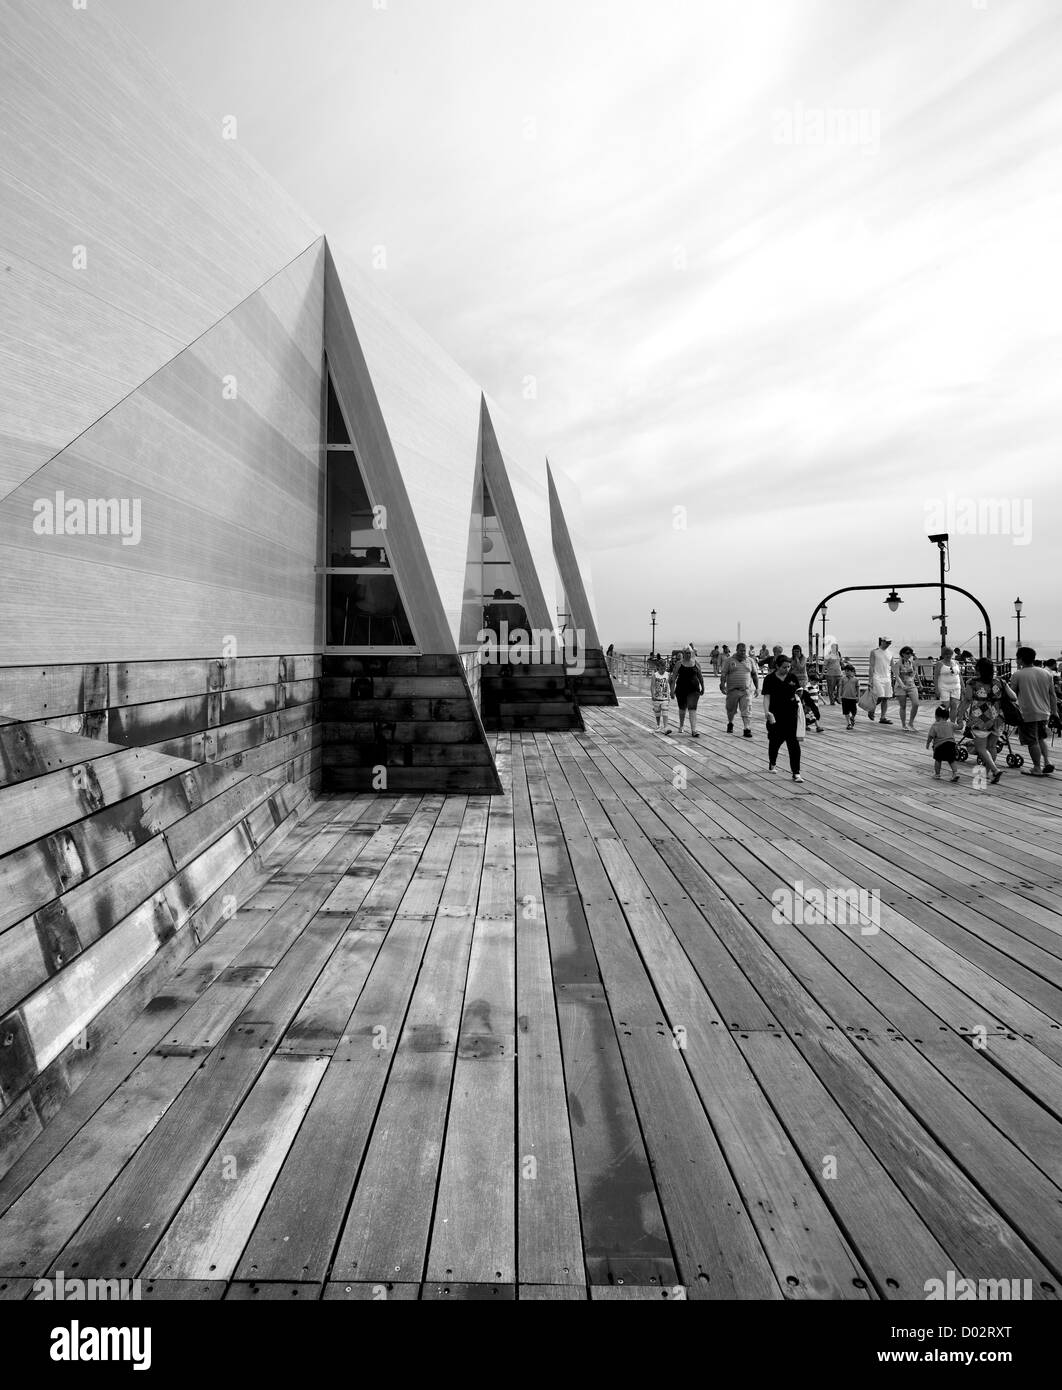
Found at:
[1011, 721]
[809, 698]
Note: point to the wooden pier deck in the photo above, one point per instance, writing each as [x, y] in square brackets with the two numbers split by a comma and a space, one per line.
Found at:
[553, 1045]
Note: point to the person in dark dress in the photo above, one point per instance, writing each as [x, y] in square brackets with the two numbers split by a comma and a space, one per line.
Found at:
[689, 687]
[781, 700]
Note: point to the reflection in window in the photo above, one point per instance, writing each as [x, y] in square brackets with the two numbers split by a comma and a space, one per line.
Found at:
[363, 604]
[350, 514]
[365, 610]
[500, 588]
[337, 429]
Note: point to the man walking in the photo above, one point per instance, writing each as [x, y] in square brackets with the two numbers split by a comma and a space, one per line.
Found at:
[1038, 704]
[880, 672]
[738, 678]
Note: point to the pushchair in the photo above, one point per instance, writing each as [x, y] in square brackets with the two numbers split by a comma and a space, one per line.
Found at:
[809, 698]
[1011, 722]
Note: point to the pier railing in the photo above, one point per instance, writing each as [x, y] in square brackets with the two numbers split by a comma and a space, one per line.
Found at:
[630, 671]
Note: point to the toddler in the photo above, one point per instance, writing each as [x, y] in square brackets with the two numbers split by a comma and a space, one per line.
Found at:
[849, 695]
[660, 694]
[941, 738]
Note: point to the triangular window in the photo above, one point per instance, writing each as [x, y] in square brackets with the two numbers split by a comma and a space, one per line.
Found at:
[492, 587]
[363, 603]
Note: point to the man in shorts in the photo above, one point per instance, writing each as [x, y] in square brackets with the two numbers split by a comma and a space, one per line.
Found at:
[738, 677]
[1038, 703]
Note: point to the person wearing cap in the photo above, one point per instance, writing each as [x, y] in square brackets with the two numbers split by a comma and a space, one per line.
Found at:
[879, 668]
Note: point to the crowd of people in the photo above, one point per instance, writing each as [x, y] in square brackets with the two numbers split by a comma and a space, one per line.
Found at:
[972, 699]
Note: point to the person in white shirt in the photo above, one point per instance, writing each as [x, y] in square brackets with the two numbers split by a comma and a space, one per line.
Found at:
[947, 677]
[660, 694]
[880, 670]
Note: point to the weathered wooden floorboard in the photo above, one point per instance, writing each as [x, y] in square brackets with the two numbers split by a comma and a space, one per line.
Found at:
[560, 1042]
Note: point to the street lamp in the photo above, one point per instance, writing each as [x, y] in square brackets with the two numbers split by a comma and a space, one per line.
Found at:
[893, 601]
[941, 542]
[823, 629]
[652, 644]
[1017, 614]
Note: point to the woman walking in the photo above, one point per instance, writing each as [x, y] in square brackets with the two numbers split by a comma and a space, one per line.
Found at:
[905, 686]
[980, 703]
[832, 672]
[781, 703]
[799, 666]
[689, 687]
[948, 680]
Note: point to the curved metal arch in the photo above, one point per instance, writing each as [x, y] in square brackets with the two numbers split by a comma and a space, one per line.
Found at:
[858, 588]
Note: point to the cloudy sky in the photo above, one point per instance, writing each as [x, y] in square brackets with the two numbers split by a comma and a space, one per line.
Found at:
[771, 280]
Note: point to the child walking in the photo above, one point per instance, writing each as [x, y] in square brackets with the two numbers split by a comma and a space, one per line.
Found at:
[941, 738]
[660, 694]
[849, 695]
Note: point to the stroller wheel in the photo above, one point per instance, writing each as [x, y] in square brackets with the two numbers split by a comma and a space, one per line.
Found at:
[1018, 760]
[963, 754]
[1013, 760]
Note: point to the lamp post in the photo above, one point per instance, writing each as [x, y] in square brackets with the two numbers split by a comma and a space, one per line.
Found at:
[652, 644]
[941, 542]
[980, 645]
[894, 598]
[1017, 614]
[823, 629]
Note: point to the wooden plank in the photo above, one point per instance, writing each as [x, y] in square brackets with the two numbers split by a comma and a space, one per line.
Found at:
[304, 1214]
[150, 1188]
[347, 1291]
[624, 1234]
[188, 983]
[44, 804]
[636, 1293]
[29, 750]
[469, 1293]
[387, 1227]
[473, 1235]
[549, 1233]
[246, 1292]
[43, 1219]
[36, 692]
[182, 1290]
[953, 1209]
[417, 686]
[318, 1026]
[552, 1293]
[897, 1248]
[807, 1251]
[42, 945]
[214, 1222]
